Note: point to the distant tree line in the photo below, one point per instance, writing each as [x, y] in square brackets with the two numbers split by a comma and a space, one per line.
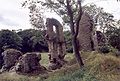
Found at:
[30, 40]
[27, 40]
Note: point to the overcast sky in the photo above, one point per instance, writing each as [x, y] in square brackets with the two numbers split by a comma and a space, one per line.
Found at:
[13, 16]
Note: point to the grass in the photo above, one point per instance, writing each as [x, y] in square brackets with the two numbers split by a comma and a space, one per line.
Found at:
[45, 60]
[98, 67]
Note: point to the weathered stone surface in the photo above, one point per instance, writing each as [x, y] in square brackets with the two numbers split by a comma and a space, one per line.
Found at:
[10, 57]
[117, 53]
[95, 41]
[101, 38]
[56, 43]
[28, 63]
[85, 33]
[56, 63]
[54, 66]
[101, 44]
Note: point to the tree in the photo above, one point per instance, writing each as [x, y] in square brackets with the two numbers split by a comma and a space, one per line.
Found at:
[68, 41]
[35, 14]
[38, 42]
[101, 18]
[26, 35]
[9, 39]
[33, 40]
[114, 37]
[69, 10]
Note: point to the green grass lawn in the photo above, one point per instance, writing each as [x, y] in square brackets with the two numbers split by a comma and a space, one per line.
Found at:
[45, 60]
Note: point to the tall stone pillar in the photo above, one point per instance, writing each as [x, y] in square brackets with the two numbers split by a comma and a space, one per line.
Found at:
[56, 43]
[85, 33]
[51, 40]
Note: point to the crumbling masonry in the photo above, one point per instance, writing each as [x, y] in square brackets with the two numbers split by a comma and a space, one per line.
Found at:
[56, 43]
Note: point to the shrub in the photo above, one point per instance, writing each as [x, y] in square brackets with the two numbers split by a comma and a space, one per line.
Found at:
[9, 39]
[114, 37]
[33, 40]
[104, 49]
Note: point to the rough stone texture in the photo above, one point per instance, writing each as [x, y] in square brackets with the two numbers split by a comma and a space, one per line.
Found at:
[95, 41]
[102, 42]
[85, 33]
[56, 42]
[117, 53]
[10, 57]
[28, 63]
[101, 38]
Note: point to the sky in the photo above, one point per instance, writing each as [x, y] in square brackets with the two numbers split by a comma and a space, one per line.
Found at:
[14, 17]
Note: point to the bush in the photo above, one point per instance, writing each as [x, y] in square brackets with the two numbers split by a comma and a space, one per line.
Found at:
[114, 38]
[33, 40]
[104, 49]
[68, 40]
[9, 39]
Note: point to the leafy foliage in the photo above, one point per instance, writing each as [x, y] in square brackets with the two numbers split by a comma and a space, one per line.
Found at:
[104, 49]
[100, 17]
[35, 14]
[33, 40]
[67, 36]
[114, 38]
[38, 41]
[9, 39]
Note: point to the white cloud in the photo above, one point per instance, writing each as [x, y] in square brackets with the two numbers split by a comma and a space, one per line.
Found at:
[13, 15]
[7, 21]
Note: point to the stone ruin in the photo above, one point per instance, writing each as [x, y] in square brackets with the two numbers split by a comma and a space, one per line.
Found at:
[101, 38]
[56, 43]
[15, 60]
[85, 33]
[101, 44]
[10, 57]
[88, 38]
[29, 63]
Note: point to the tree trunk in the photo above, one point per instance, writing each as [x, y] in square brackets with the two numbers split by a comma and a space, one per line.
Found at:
[76, 51]
[74, 34]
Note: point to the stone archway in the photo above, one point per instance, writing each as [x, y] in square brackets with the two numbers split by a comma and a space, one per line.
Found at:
[56, 43]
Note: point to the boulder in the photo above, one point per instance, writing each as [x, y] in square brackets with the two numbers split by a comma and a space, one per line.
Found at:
[101, 38]
[28, 63]
[10, 57]
[117, 53]
[102, 42]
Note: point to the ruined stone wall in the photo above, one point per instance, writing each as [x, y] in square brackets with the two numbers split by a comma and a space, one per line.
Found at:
[28, 63]
[10, 57]
[85, 33]
[56, 42]
[101, 38]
